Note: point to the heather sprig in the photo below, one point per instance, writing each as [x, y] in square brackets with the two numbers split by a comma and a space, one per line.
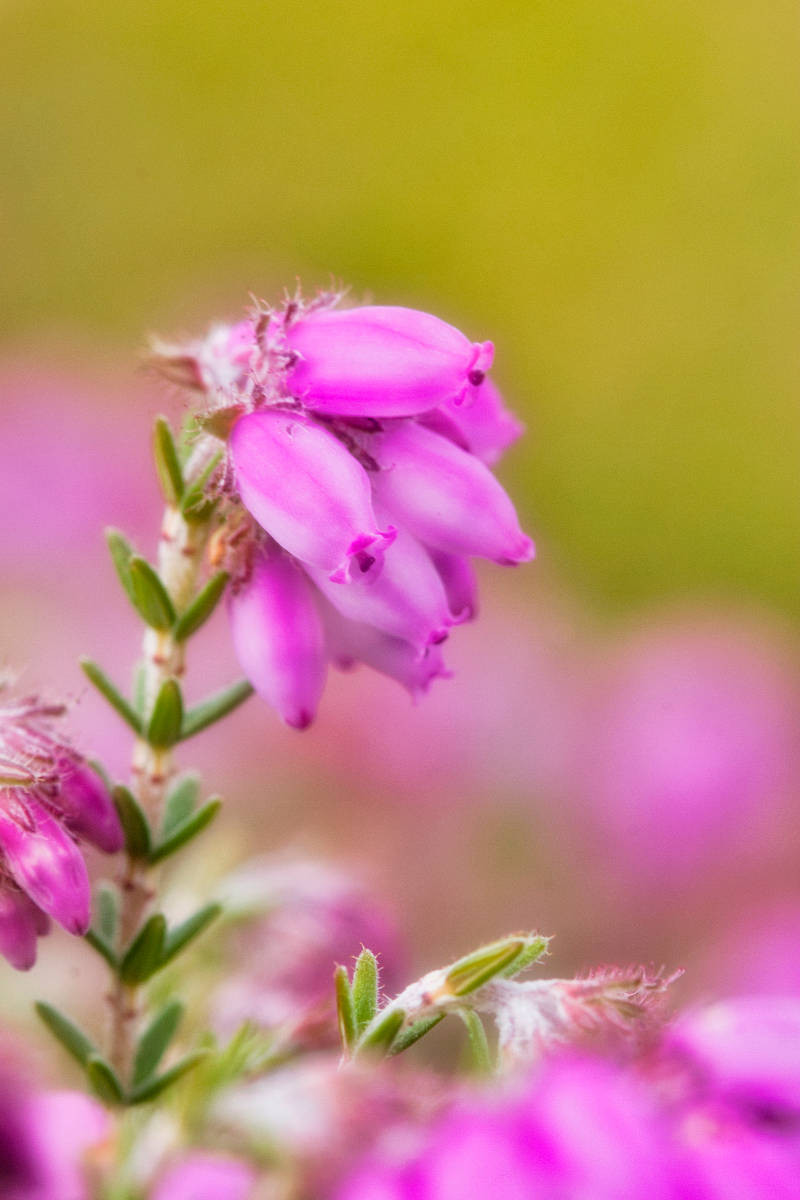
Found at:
[159, 813]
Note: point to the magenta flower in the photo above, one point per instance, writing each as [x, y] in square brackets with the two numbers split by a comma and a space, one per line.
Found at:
[359, 442]
[48, 1139]
[379, 361]
[745, 1052]
[583, 1128]
[307, 491]
[203, 1176]
[49, 798]
[278, 636]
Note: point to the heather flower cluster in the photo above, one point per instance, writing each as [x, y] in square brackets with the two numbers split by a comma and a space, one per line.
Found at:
[360, 442]
[711, 1111]
[50, 800]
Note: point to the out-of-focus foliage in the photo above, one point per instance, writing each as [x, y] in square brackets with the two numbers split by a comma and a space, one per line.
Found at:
[608, 188]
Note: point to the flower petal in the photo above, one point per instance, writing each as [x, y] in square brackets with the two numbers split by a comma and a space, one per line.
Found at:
[21, 922]
[381, 361]
[407, 600]
[307, 491]
[351, 642]
[88, 809]
[446, 497]
[460, 584]
[44, 861]
[278, 637]
[483, 425]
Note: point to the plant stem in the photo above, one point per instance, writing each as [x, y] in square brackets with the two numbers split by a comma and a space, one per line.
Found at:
[180, 552]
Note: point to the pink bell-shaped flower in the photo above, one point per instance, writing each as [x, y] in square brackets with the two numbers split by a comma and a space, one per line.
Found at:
[278, 637]
[305, 489]
[381, 361]
[445, 496]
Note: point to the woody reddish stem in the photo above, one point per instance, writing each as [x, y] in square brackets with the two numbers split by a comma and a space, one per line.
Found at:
[180, 552]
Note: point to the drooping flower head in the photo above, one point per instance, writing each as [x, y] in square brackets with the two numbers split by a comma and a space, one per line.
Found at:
[358, 448]
[49, 799]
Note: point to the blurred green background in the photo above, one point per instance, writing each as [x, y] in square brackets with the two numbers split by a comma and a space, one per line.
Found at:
[610, 190]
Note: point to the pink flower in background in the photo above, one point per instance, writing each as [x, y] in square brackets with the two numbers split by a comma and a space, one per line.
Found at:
[296, 919]
[49, 798]
[744, 1052]
[757, 949]
[47, 1138]
[72, 1133]
[203, 1176]
[358, 441]
[689, 746]
[713, 1113]
[583, 1127]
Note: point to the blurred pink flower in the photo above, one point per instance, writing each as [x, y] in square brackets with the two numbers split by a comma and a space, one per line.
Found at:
[48, 1139]
[71, 1131]
[202, 1176]
[688, 747]
[711, 1114]
[583, 1127]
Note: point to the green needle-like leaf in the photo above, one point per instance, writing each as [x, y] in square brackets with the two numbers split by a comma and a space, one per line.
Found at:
[365, 989]
[379, 1037]
[166, 719]
[345, 1009]
[215, 708]
[103, 1081]
[74, 1041]
[537, 948]
[479, 1046]
[149, 594]
[195, 505]
[155, 1040]
[121, 554]
[414, 1032]
[167, 462]
[154, 1087]
[105, 687]
[187, 830]
[179, 938]
[107, 905]
[473, 970]
[134, 822]
[145, 954]
[180, 802]
[201, 607]
[99, 943]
